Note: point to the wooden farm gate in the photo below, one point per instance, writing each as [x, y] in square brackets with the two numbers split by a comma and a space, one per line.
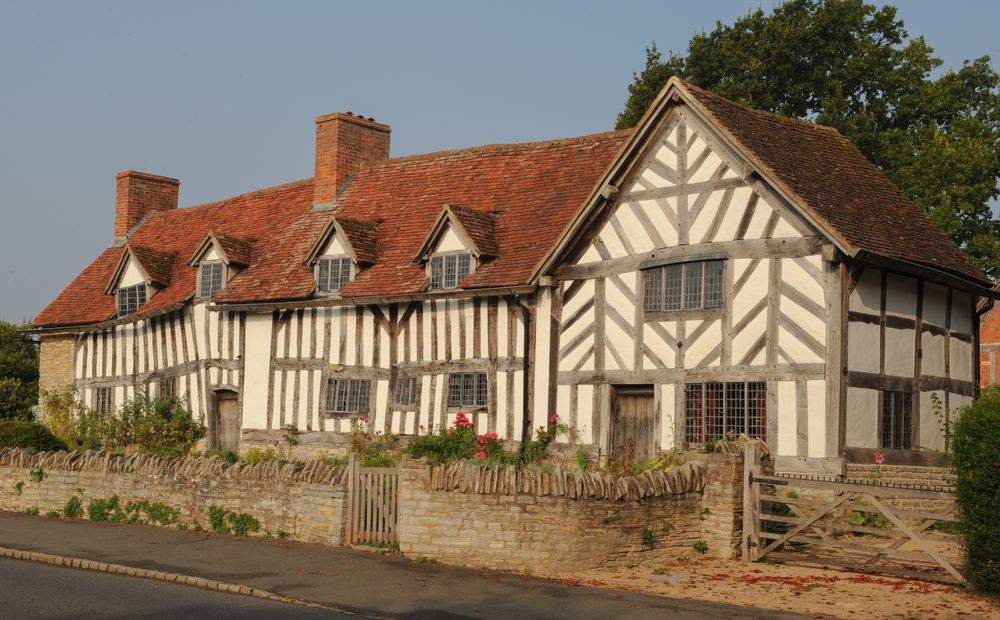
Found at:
[868, 527]
[372, 504]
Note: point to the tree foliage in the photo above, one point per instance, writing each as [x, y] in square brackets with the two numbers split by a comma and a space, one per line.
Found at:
[18, 373]
[853, 66]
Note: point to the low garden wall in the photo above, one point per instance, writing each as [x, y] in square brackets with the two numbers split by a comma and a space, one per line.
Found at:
[465, 514]
[459, 513]
[304, 501]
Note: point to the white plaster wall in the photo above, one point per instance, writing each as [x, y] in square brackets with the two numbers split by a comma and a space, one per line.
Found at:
[862, 417]
[899, 352]
[787, 418]
[450, 241]
[131, 275]
[816, 418]
[863, 347]
[257, 364]
[867, 294]
[901, 296]
[931, 435]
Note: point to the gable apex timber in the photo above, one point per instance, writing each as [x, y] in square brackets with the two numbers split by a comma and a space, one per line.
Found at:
[357, 236]
[154, 266]
[656, 122]
[234, 251]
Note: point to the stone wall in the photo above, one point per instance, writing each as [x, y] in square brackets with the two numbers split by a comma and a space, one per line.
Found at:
[464, 514]
[304, 500]
[55, 362]
[937, 478]
[311, 444]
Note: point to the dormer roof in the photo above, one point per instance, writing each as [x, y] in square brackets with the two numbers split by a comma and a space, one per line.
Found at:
[476, 228]
[235, 251]
[155, 266]
[361, 238]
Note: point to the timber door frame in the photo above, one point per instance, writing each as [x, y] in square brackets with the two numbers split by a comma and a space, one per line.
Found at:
[220, 393]
[635, 389]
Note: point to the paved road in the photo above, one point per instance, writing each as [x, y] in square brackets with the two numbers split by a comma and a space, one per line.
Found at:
[343, 578]
[29, 590]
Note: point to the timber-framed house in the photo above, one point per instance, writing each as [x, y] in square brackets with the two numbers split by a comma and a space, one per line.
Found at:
[716, 270]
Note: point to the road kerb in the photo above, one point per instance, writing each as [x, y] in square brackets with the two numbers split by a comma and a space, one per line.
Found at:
[155, 575]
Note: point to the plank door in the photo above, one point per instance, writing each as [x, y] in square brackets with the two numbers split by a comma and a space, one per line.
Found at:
[633, 422]
[227, 418]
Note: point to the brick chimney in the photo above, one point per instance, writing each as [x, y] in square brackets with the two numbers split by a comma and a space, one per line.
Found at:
[344, 142]
[140, 194]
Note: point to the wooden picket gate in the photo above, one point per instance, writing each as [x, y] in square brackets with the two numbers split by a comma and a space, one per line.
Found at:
[848, 525]
[372, 504]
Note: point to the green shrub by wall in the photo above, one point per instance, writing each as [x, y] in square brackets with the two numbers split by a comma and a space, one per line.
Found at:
[27, 434]
[976, 445]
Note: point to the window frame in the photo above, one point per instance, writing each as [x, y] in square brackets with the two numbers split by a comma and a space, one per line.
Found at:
[223, 274]
[332, 384]
[663, 310]
[125, 289]
[480, 384]
[104, 406]
[443, 256]
[317, 269]
[696, 430]
[412, 390]
[174, 384]
[889, 406]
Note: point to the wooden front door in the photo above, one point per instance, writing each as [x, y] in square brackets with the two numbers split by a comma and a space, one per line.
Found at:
[633, 422]
[226, 427]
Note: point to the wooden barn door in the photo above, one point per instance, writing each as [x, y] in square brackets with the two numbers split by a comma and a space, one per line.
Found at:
[633, 428]
[226, 423]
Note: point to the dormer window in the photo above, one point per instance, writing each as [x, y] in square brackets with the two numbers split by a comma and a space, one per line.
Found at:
[130, 299]
[447, 270]
[332, 273]
[211, 278]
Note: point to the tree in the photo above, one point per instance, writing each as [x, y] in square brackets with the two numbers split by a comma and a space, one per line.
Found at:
[18, 373]
[853, 66]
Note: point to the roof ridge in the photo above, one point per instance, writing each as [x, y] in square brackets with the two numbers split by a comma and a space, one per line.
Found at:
[512, 147]
[274, 189]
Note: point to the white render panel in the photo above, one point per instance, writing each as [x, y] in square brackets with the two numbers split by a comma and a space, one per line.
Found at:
[863, 347]
[335, 247]
[762, 213]
[901, 296]
[862, 417]
[634, 229]
[932, 360]
[930, 435]
[612, 241]
[867, 294]
[450, 241]
[961, 312]
[935, 308]
[502, 378]
[667, 417]
[700, 348]
[256, 364]
[585, 412]
[961, 360]
[131, 275]
[541, 370]
[816, 437]
[787, 422]
[899, 352]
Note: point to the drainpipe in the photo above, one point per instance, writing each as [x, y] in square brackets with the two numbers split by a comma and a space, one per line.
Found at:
[526, 376]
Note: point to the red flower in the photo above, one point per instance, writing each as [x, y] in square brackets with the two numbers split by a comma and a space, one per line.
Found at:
[480, 455]
[554, 418]
[462, 421]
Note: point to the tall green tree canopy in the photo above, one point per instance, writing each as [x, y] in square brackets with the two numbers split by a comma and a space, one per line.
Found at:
[18, 373]
[853, 66]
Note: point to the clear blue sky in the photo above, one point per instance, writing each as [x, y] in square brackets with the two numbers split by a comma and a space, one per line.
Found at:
[223, 94]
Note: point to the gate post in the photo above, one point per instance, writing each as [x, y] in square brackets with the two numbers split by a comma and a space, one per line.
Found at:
[751, 502]
[352, 498]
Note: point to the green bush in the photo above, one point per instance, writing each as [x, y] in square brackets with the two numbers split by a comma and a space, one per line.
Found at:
[976, 446]
[259, 455]
[161, 426]
[225, 521]
[73, 508]
[226, 455]
[26, 434]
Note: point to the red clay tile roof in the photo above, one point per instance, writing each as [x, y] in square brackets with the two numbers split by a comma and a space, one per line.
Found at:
[266, 215]
[363, 237]
[527, 193]
[238, 251]
[845, 191]
[157, 264]
[481, 229]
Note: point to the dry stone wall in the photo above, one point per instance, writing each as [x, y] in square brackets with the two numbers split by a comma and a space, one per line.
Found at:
[304, 500]
[505, 518]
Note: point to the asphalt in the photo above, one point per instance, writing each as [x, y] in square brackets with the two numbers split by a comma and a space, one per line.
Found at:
[347, 579]
[31, 591]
